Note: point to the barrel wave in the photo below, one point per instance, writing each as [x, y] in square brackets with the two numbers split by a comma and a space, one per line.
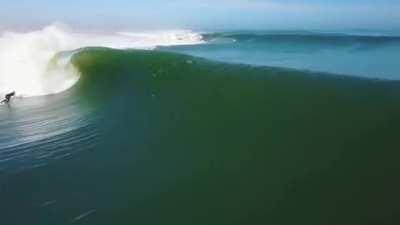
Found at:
[159, 137]
[38, 62]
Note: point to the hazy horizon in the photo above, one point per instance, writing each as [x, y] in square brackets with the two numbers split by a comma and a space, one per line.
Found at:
[204, 15]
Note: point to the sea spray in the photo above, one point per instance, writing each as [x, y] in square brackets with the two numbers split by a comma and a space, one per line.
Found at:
[34, 64]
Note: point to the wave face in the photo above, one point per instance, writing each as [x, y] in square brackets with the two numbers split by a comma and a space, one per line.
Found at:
[37, 63]
[142, 130]
[355, 54]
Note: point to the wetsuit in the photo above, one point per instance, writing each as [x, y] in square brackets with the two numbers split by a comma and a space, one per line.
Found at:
[8, 97]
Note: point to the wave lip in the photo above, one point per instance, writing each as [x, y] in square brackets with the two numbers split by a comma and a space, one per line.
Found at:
[166, 38]
[38, 62]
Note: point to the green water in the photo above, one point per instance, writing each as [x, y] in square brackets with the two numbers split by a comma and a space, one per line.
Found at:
[187, 141]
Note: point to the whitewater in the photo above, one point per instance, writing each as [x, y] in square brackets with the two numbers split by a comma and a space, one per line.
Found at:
[37, 63]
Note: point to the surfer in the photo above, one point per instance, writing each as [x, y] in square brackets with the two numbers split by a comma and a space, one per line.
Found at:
[8, 97]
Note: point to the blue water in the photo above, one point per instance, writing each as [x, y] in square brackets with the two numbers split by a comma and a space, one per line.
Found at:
[155, 137]
[362, 54]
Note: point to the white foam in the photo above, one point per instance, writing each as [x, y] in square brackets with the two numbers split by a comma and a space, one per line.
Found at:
[31, 65]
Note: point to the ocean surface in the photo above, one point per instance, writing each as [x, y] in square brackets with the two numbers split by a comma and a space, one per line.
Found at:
[362, 54]
[280, 128]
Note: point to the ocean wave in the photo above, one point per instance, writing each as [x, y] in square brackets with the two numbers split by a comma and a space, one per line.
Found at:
[301, 37]
[136, 88]
[38, 62]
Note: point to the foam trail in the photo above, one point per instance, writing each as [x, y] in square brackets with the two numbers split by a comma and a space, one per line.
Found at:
[38, 62]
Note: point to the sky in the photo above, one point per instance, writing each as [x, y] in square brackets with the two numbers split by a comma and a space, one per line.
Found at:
[202, 14]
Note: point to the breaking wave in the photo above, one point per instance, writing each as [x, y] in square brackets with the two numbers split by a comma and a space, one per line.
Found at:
[38, 62]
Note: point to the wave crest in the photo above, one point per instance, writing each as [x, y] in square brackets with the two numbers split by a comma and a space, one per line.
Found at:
[38, 62]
